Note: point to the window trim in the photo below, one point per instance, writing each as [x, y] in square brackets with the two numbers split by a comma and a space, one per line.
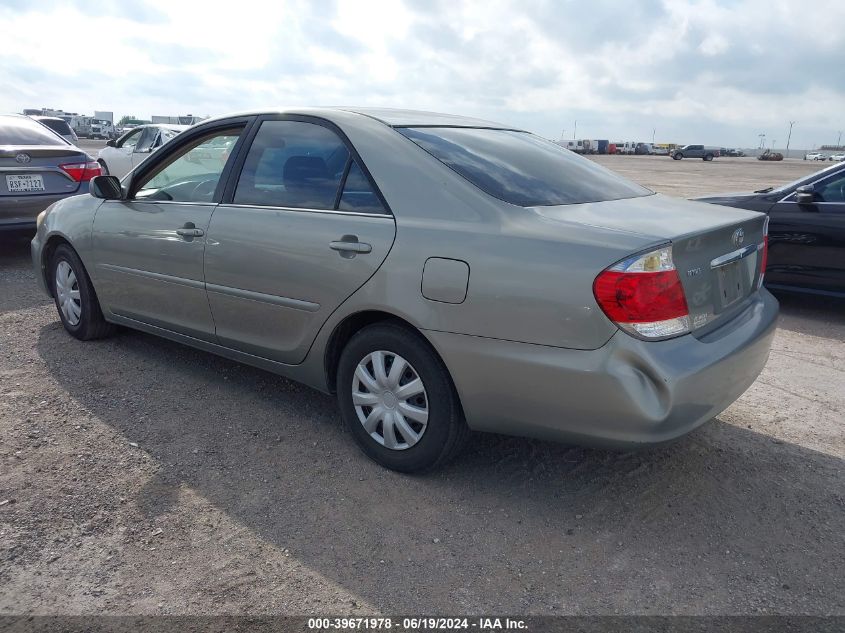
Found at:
[187, 138]
[249, 137]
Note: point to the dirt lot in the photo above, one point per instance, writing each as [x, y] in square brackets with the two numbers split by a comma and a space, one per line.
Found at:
[139, 476]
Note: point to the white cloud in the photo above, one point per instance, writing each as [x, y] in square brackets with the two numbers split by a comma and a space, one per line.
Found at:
[718, 72]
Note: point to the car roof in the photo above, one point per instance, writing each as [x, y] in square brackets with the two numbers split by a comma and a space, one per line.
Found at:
[39, 117]
[393, 117]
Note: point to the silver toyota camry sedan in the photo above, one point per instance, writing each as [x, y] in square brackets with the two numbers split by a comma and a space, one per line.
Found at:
[439, 274]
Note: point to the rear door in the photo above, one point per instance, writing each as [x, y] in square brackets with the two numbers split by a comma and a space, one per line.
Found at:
[301, 228]
[149, 247]
[807, 241]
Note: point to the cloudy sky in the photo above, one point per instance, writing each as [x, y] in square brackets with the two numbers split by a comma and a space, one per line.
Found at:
[718, 72]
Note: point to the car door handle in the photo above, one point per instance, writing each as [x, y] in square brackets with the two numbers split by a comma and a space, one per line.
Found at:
[190, 230]
[345, 246]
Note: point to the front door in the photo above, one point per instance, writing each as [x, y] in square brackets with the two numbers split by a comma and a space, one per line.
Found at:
[807, 241]
[305, 228]
[149, 248]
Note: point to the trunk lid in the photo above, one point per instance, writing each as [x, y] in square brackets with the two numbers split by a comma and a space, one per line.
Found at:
[40, 174]
[716, 249]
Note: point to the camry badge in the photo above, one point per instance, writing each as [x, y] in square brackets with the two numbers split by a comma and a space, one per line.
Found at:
[23, 158]
[738, 237]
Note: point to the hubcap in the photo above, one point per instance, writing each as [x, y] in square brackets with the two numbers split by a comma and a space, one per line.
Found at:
[67, 293]
[390, 400]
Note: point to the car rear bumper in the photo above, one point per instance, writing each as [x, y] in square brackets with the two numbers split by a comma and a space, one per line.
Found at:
[627, 394]
[20, 212]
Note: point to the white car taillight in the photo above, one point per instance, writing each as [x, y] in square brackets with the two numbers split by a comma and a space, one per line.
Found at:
[643, 295]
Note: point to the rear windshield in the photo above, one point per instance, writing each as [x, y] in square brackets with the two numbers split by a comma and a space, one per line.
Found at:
[521, 168]
[60, 127]
[23, 131]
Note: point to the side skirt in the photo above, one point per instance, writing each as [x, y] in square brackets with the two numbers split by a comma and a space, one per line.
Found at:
[294, 372]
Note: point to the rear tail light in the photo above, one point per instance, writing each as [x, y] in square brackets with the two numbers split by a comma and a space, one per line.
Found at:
[643, 295]
[82, 172]
[763, 248]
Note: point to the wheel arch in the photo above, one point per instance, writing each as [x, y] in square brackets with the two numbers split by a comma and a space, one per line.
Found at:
[354, 323]
[50, 246]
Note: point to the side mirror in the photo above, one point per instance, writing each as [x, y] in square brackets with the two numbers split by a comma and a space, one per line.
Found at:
[805, 194]
[110, 143]
[105, 188]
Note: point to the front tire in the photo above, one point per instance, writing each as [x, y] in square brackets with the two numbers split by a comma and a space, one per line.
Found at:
[75, 298]
[677, 156]
[398, 401]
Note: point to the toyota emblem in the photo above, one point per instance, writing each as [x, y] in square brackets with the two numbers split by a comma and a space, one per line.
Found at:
[23, 158]
[738, 237]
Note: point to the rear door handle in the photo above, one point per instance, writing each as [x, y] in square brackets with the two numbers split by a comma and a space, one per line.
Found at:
[349, 246]
[190, 230]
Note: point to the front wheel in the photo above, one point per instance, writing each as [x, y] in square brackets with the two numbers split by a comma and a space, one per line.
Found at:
[398, 401]
[75, 298]
[677, 156]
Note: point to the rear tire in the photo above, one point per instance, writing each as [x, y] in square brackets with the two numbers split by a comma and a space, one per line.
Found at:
[76, 300]
[374, 409]
[708, 157]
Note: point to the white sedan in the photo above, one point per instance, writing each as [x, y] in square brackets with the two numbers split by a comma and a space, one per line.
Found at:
[120, 157]
[815, 156]
[838, 157]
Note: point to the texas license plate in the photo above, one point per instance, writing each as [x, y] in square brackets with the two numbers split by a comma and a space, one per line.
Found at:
[23, 184]
[730, 282]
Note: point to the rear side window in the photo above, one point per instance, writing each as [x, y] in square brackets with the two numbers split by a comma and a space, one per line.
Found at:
[293, 164]
[358, 195]
[24, 131]
[521, 168]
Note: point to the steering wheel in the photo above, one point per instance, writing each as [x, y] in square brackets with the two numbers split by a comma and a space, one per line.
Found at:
[204, 190]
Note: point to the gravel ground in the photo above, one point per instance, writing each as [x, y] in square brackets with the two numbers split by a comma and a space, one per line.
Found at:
[142, 477]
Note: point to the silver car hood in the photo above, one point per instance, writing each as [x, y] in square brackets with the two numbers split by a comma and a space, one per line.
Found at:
[656, 216]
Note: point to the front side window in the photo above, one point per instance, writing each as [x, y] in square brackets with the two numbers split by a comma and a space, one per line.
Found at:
[293, 164]
[521, 168]
[130, 140]
[192, 174]
[831, 190]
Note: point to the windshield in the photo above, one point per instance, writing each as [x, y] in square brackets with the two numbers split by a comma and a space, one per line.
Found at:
[24, 131]
[521, 168]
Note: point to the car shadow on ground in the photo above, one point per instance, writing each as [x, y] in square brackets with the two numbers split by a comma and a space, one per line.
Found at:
[16, 265]
[812, 314]
[726, 520]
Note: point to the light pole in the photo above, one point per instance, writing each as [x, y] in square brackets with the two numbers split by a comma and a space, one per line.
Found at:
[575, 131]
[762, 140]
[789, 138]
[653, 130]
[839, 140]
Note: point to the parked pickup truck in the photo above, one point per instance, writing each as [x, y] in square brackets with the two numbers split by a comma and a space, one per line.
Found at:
[696, 151]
